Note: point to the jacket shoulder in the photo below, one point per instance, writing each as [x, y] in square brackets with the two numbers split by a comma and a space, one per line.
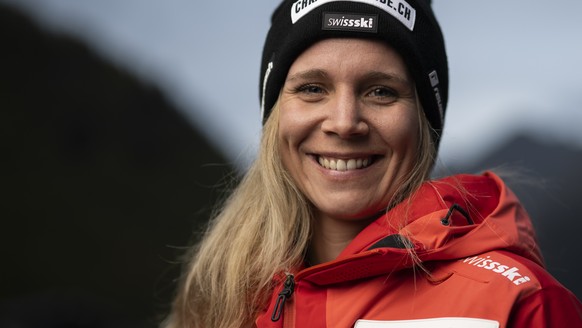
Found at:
[503, 269]
[521, 290]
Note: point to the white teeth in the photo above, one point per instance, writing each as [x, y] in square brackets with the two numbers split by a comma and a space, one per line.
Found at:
[342, 164]
[332, 164]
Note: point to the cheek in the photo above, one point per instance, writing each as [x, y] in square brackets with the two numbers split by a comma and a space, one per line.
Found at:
[285, 135]
[401, 133]
[294, 127]
[291, 132]
[284, 149]
[409, 138]
[410, 144]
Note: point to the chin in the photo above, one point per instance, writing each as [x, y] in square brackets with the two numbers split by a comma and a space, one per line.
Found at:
[344, 211]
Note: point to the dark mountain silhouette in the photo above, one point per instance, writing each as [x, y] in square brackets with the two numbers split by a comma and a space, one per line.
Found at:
[101, 184]
[546, 177]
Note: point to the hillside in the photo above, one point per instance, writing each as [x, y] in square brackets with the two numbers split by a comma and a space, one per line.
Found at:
[102, 185]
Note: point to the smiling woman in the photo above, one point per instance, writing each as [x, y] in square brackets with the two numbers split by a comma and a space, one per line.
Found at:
[337, 223]
[348, 101]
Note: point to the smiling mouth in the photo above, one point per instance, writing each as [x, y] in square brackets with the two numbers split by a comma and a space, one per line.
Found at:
[338, 164]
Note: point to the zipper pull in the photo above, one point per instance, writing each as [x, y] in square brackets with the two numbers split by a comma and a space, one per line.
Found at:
[288, 289]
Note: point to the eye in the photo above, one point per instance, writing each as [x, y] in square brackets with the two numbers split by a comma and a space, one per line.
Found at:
[382, 92]
[381, 95]
[310, 92]
[310, 89]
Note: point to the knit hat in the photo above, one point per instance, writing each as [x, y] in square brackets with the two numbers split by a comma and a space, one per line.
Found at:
[408, 26]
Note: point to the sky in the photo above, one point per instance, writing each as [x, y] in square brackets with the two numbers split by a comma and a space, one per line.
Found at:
[514, 66]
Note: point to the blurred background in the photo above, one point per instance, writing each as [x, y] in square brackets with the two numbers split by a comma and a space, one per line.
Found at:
[123, 121]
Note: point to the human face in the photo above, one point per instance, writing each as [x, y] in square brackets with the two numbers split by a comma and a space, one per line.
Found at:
[348, 126]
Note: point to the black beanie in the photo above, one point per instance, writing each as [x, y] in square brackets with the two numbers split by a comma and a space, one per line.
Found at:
[408, 26]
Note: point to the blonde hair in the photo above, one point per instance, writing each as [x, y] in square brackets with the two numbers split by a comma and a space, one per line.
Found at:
[262, 229]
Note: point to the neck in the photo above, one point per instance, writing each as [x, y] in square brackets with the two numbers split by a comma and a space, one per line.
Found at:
[332, 235]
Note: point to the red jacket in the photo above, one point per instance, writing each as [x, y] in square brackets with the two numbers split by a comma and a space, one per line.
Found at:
[482, 268]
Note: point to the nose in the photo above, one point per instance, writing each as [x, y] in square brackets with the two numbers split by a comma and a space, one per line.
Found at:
[344, 116]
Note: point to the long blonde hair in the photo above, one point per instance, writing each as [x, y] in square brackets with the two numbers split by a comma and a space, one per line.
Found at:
[263, 228]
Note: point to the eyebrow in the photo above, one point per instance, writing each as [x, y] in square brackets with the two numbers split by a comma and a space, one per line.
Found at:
[308, 75]
[376, 75]
[322, 74]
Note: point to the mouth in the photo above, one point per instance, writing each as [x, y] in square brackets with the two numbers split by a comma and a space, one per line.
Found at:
[340, 164]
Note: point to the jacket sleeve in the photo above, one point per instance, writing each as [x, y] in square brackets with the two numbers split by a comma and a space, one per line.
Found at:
[553, 306]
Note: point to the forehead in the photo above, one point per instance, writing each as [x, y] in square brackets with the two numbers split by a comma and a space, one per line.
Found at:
[350, 55]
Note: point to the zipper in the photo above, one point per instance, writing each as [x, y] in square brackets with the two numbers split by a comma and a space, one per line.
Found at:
[290, 281]
[284, 295]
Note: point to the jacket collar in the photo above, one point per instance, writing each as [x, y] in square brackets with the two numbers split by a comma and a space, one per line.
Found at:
[488, 217]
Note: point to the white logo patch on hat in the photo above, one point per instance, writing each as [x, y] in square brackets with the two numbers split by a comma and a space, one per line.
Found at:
[434, 82]
[400, 9]
[363, 23]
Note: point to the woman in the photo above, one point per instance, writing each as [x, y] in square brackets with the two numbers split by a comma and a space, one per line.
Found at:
[337, 224]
